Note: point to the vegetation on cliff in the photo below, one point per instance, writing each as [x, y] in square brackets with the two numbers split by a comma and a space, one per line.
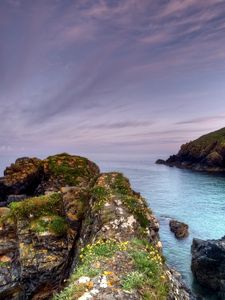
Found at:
[142, 273]
[206, 153]
[78, 220]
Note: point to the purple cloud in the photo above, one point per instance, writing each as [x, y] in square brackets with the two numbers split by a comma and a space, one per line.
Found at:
[96, 74]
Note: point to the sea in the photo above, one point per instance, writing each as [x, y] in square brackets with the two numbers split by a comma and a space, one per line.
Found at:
[198, 199]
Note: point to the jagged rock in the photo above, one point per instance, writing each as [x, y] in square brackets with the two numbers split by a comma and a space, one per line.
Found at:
[178, 289]
[208, 263]
[23, 176]
[179, 229]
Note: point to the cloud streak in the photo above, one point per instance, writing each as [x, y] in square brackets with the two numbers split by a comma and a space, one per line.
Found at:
[97, 73]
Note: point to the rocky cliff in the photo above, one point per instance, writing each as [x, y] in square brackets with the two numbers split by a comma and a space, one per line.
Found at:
[69, 232]
[207, 153]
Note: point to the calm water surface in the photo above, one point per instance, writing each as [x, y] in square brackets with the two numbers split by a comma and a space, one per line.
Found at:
[197, 199]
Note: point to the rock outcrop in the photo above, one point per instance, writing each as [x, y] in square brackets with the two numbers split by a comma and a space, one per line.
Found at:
[208, 263]
[32, 176]
[79, 224]
[207, 153]
[179, 229]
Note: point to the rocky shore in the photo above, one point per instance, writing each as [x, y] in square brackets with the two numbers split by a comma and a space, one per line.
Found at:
[207, 153]
[69, 232]
[208, 264]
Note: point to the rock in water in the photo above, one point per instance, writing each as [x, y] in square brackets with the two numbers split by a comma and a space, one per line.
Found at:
[208, 263]
[179, 229]
[160, 162]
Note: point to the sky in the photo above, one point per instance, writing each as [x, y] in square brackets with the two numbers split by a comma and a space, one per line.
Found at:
[109, 79]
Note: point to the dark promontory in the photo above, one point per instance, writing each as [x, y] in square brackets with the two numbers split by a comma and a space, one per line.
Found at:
[206, 153]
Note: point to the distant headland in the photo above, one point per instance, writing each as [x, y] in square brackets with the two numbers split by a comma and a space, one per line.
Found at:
[206, 153]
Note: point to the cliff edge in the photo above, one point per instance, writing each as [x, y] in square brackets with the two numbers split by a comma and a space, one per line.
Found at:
[69, 232]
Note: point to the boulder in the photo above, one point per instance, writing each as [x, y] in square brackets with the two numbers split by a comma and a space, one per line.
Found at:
[63, 170]
[23, 176]
[208, 263]
[179, 229]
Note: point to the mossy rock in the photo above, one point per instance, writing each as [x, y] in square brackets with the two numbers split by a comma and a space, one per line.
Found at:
[37, 206]
[64, 169]
[52, 224]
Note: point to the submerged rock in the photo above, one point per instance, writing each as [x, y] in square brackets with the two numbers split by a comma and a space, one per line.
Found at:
[208, 263]
[179, 229]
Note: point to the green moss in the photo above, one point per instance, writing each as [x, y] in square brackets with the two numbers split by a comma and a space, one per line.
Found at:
[121, 185]
[4, 264]
[58, 225]
[54, 224]
[100, 194]
[37, 206]
[70, 168]
[216, 136]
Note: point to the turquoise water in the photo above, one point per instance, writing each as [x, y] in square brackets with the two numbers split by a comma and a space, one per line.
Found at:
[197, 199]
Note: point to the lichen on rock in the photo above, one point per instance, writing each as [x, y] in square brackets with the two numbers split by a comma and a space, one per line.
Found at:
[81, 223]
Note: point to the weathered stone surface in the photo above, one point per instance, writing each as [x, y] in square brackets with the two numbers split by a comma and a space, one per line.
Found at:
[23, 176]
[208, 263]
[119, 244]
[179, 229]
[36, 246]
[67, 170]
[80, 212]
[32, 176]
